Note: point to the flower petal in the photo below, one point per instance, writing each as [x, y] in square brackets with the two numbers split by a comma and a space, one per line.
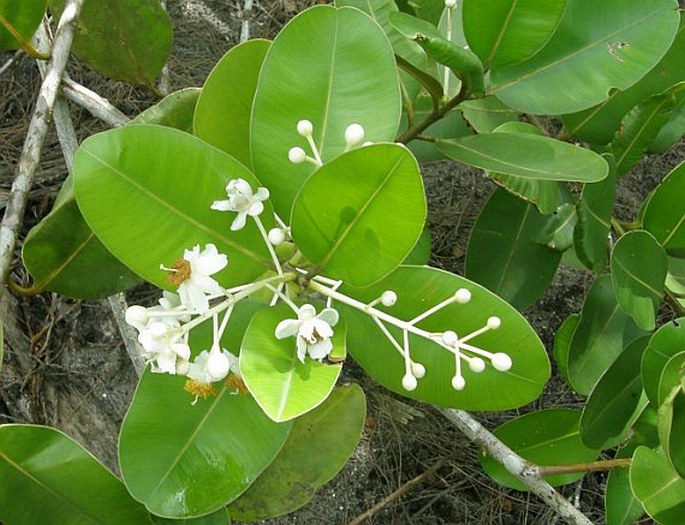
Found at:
[224, 205]
[301, 349]
[321, 349]
[261, 194]
[193, 297]
[287, 328]
[306, 311]
[239, 221]
[255, 209]
[330, 316]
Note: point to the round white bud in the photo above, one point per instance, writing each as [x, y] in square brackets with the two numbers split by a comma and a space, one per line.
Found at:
[450, 4]
[450, 338]
[354, 134]
[388, 298]
[462, 296]
[218, 365]
[409, 382]
[305, 128]
[501, 361]
[276, 236]
[296, 155]
[494, 322]
[458, 383]
[477, 364]
[137, 315]
[418, 370]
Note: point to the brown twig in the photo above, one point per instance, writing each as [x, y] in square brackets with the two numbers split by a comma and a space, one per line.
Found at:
[397, 494]
[577, 468]
[417, 129]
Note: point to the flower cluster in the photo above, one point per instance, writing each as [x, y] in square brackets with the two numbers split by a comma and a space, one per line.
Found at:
[313, 331]
[354, 136]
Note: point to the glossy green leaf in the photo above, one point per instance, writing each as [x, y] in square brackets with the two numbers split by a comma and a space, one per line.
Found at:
[420, 288]
[562, 343]
[128, 40]
[675, 279]
[429, 10]
[346, 218]
[638, 272]
[48, 478]
[284, 387]
[559, 227]
[545, 437]
[318, 446]
[333, 67]
[658, 487]
[664, 215]
[503, 253]
[598, 124]
[594, 209]
[411, 26]
[547, 195]
[526, 155]
[666, 342]
[185, 460]
[621, 506]
[640, 128]
[224, 109]
[19, 19]
[673, 130]
[220, 517]
[422, 250]
[486, 114]
[598, 46]
[514, 30]
[671, 375]
[163, 201]
[62, 248]
[614, 399]
[173, 111]
[602, 333]
[672, 428]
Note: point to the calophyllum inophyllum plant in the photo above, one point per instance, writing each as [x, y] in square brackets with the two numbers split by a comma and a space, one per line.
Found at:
[283, 216]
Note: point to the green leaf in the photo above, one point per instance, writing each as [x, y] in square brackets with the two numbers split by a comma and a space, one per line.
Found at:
[547, 195]
[658, 487]
[61, 249]
[675, 279]
[220, 517]
[514, 30]
[558, 230]
[562, 343]
[544, 437]
[318, 446]
[420, 288]
[664, 215]
[284, 387]
[594, 208]
[528, 156]
[597, 46]
[163, 201]
[333, 67]
[503, 253]
[48, 478]
[672, 428]
[173, 111]
[185, 460]
[598, 124]
[621, 506]
[421, 252]
[665, 343]
[602, 333]
[347, 221]
[22, 18]
[640, 128]
[411, 26]
[608, 411]
[486, 114]
[127, 40]
[638, 272]
[673, 130]
[671, 376]
[224, 109]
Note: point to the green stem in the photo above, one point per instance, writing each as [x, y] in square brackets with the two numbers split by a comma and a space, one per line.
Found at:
[23, 43]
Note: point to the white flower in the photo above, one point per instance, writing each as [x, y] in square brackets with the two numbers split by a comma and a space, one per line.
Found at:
[242, 200]
[192, 275]
[163, 345]
[213, 365]
[313, 331]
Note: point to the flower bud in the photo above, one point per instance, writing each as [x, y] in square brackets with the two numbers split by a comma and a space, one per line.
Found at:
[501, 362]
[477, 364]
[450, 4]
[354, 134]
[276, 236]
[450, 338]
[458, 383]
[305, 128]
[388, 298]
[218, 365]
[462, 296]
[137, 315]
[494, 322]
[409, 382]
[418, 370]
[296, 155]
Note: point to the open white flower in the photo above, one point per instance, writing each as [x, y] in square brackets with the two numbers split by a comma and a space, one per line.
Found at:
[242, 200]
[192, 276]
[163, 345]
[213, 365]
[313, 331]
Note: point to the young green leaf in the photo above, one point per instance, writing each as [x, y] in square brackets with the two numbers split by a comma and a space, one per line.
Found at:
[49, 478]
[546, 437]
[658, 487]
[671, 375]
[638, 272]
[486, 114]
[173, 111]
